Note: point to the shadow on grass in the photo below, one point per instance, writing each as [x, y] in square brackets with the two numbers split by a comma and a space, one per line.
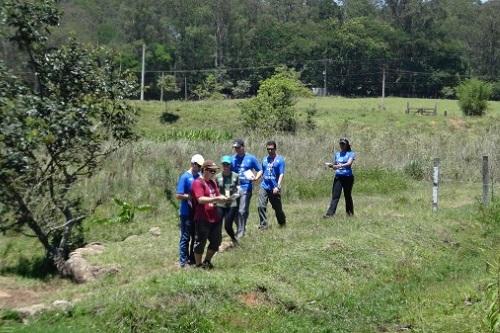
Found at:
[34, 268]
[168, 118]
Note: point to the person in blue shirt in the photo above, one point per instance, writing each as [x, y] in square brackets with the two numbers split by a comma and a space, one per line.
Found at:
[183, 194]
[344, 178]
[244, 165]
[273, 171]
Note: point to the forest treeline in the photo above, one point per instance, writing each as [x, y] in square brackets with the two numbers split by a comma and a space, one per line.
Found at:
[423, 48]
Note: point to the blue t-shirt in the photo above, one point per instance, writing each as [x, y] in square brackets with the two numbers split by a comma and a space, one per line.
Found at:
[342, 158]
[240, 164]
[184, 187]
[273, 168]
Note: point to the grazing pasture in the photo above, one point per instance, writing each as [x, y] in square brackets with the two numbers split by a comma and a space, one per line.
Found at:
[395, 266]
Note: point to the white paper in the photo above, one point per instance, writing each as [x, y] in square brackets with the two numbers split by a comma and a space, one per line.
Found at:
[249, 175]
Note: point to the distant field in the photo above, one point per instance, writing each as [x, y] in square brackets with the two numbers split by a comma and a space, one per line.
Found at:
[394, 267]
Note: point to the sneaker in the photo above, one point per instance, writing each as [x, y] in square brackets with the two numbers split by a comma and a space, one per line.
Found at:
[207, 265]
[326, 216]
[283, 225]
[263, 227]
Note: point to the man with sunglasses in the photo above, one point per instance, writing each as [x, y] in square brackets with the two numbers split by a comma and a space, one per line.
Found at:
[183, 194]
[244, 165]
[207, 223]
[273, 167]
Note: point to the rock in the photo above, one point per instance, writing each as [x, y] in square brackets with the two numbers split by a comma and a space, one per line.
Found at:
[32, 310]
[81, 271]
[4, 295]
[131, 238]
[62, 305]
[155, 231]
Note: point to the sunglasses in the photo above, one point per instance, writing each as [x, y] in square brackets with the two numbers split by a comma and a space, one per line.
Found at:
[196, 164]
[213, 172]
[271, 149]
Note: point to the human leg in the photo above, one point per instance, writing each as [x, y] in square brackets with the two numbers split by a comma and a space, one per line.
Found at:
[262, 208]
[347, 184]
[229, 220]
[336, 191]
[277, 205]
[243, 212]
[214, 239]
[201, 235]
[185, 236]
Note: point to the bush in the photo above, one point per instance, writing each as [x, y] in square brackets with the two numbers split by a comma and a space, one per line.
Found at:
[273, 107]
[415, 169]
[473, 96]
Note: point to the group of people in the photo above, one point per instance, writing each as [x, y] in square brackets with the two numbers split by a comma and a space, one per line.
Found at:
[211, 197]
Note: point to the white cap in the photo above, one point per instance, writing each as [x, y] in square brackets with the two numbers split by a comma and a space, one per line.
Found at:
[198, 159]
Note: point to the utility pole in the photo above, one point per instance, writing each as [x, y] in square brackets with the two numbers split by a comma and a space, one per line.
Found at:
[185, 89]
[383, 86]
[143, 70]
[324, 81]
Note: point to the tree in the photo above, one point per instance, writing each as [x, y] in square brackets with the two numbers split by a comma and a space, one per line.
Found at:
[55, 135]
[209, 88]
[473, 96]
[167, 83]
[273, 107]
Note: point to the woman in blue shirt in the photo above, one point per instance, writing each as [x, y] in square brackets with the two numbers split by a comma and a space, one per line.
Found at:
[344, 179]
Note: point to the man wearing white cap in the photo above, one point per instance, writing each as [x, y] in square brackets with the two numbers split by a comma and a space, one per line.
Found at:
[183, 194]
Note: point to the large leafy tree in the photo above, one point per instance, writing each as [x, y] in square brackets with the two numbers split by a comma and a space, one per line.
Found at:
[57, 131]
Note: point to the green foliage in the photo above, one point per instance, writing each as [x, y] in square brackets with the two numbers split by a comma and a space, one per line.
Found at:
[473, 96]
[202, 134]
[273, 107]
[168, 83]
[492, 318]
[241, 89]
[210, 88]
[311, 111]
[61, 132]
[415, 169]
[127, 212]
[490, 214]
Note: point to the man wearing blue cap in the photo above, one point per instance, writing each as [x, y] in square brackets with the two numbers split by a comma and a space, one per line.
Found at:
[228, 183]
[244, 165]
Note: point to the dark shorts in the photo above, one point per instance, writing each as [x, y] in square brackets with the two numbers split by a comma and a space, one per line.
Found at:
[204, 231]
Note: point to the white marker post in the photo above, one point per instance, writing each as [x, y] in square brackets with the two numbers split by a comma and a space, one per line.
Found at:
[435, 185]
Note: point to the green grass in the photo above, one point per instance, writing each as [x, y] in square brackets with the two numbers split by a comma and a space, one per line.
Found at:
[395, 266]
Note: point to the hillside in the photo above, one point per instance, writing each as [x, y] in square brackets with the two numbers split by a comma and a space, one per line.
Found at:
[395, 266]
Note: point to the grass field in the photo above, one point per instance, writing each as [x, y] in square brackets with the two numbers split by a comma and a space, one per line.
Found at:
[394, 267]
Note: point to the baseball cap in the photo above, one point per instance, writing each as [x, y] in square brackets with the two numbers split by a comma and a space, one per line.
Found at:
[209, 164]
[226, 159]
[344, 141]
[238, 143]
[198, 159]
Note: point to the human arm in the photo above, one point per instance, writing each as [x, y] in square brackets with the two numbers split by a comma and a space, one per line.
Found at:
[277, 189]
[181, 192]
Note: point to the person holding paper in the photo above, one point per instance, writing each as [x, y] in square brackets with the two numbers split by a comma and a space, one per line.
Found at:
[244, 165]
[207, 225]
[273, 167]
[228, 183]
[344, 178]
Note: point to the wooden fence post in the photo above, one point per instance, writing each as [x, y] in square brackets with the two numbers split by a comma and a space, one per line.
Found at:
[435, 185]
[486, 184]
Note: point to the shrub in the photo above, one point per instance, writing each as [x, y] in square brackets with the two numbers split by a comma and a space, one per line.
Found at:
[473, 96]
[210, 88]
[273, 107]
[241, 89]
[415, 169]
